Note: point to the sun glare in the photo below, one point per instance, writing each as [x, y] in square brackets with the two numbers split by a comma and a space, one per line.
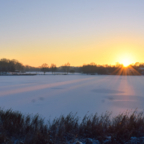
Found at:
[125, 61]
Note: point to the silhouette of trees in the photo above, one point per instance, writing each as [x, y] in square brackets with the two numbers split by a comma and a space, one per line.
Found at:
[44, 68]
[7, 65]
[30, 68]
[66, 67]
[118, 69]
[13, 65]
[92, 68]
[53, 68]
[89, 69]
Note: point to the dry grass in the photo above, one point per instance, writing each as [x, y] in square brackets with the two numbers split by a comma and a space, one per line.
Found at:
[33, 130]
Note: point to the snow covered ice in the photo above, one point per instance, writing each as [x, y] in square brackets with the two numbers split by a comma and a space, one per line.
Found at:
[53, 95]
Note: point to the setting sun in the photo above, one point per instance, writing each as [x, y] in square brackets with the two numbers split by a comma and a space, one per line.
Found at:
[125, 60]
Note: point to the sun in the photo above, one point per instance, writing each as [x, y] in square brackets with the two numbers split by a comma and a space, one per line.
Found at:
[125, 60]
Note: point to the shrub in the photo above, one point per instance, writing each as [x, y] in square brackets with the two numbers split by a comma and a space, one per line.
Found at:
[29, 130]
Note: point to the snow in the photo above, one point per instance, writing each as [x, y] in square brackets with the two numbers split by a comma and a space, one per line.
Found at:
[53, 95]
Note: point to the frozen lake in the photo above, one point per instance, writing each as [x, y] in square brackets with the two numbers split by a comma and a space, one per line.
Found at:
[53, 95]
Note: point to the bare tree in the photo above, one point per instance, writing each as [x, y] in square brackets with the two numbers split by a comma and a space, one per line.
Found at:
[53, 68]
[44, 68]
[66, 67]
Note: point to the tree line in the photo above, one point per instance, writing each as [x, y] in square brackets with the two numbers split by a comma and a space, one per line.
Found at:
[53, 68]
[7, 65]
[118, 69]
[13, 65]
[97, 69]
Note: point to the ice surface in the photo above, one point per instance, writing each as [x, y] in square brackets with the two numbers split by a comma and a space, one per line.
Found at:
[53, 95]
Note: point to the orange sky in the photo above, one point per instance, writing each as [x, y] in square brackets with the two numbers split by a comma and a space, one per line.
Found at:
[77, 51]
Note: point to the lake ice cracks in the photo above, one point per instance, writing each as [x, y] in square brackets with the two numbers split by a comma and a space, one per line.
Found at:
[53, 95]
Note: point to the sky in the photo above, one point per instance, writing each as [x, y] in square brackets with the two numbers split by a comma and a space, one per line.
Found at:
[75, 31]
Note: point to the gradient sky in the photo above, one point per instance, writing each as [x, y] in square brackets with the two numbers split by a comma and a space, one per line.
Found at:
[75, 31]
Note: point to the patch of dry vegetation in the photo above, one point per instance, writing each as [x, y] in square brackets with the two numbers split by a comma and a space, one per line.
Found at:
[32, 130]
